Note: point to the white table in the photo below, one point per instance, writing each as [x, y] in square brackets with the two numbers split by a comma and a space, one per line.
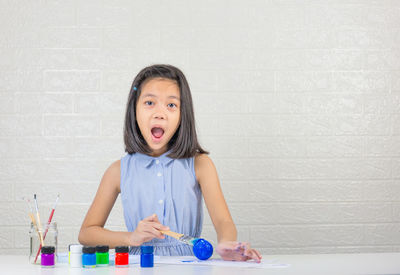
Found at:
[321, 264]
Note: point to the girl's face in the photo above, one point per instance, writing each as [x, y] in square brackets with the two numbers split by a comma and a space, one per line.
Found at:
[158, 113]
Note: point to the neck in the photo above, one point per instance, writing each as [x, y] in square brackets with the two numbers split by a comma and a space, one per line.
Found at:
[157, 153]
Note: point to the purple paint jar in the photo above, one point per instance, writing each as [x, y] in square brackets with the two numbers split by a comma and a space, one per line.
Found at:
[47, 257]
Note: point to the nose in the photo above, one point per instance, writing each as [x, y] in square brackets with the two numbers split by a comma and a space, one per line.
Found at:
[159, 113]
[159, 116]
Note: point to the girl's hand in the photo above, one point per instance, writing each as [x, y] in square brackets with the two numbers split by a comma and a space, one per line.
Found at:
[146, 230]
[237, 251]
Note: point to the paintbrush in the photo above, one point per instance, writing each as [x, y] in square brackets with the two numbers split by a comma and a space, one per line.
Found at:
[48, 224]
[181, 237]
[31, 216]
[38, 220]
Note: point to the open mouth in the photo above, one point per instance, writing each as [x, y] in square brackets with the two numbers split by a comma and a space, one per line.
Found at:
[157, 133]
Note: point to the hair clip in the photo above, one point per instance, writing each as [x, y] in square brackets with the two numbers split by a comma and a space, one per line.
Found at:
[134, 88]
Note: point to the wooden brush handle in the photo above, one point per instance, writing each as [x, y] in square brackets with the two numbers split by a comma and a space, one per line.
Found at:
[172, 234]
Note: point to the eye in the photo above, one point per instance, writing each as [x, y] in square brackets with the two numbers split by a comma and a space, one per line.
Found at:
[149, 103]
[172, 105]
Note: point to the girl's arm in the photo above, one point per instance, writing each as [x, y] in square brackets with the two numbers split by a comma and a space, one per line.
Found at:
[228, 247]
[92, 230]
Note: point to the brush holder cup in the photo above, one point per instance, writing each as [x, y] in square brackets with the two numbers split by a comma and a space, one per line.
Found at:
[49, 233]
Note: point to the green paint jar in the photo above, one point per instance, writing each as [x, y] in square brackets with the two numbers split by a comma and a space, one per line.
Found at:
[102, 256]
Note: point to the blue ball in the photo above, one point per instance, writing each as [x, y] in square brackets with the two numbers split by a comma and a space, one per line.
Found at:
[202, 249]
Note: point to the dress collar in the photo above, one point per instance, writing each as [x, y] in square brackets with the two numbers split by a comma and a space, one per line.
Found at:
[147, 160]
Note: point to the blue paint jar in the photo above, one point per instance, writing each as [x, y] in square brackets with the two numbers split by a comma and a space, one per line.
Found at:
[146, 256]
[89, 256]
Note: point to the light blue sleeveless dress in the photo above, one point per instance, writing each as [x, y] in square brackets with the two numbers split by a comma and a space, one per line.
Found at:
[166, 187]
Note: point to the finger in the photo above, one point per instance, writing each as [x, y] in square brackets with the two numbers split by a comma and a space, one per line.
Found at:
[252, 255]
[157, 233]
[248, 252]
[157, 229]
[154, 232]
[240, 255]
[258, 254]
[158, 226]
[155, 218]
[151, 218]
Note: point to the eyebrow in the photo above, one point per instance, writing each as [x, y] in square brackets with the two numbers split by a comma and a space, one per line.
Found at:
[153, 95]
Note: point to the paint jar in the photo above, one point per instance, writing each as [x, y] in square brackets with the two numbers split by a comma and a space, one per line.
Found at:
[47, 256]
[75, 255]
[146, 256]
[89, 256]
[49, 233]
[121, 256]
[102, 256]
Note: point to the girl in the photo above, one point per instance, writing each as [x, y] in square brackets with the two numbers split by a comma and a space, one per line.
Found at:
[163, 177]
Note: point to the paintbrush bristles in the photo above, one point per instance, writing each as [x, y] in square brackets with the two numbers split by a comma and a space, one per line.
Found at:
[33, 220]
[172, 234]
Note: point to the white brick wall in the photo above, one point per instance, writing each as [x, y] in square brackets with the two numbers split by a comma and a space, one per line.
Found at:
[298, 102]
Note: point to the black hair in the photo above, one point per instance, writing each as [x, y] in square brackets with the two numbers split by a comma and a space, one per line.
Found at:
[184, 143]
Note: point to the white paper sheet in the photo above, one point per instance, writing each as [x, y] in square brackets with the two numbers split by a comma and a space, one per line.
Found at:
[189, 260]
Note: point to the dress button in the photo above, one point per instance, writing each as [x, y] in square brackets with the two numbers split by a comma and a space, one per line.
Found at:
[157, 161]
[160, 201]
[159, 174]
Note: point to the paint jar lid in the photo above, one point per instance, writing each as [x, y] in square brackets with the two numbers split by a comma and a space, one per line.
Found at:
[202, 249]
[89, 249]
[75, 248]
[102, 248]
[146, 249]
[121, 249]
[47, 249]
